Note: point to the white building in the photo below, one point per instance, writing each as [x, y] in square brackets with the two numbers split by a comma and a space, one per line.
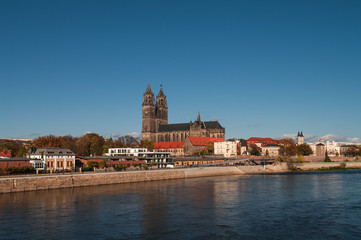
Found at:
[270, 150]
[226, 148]
[125, 151]
[52, 158]
[159, 159]
[333, 148]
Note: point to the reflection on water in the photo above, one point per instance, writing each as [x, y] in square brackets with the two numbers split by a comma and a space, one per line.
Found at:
[296, 206]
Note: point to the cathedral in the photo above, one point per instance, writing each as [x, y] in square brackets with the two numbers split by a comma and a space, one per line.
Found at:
[155, 125]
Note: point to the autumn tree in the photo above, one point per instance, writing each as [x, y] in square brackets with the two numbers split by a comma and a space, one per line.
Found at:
[256, 151]
[90, 144]
[304, 150]
[210, 147]
[147, 144]
[288, 147]
[11, 145]
[47, 141]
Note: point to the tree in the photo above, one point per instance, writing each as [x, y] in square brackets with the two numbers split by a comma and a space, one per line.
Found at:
[288, 147]
[129, 141]
[304, 150]
[90, 144]
[255, 150]
[12, 146]
[103, 163]
[210, 147]
[92, 164]
[47, 141]
[147, 144]
[22, 152]
[327, 158]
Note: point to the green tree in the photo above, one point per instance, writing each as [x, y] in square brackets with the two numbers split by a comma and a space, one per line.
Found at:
[327, 158]
[103, 163]
[105, 149]
[92, 164]
[304, 150]
[22, 152]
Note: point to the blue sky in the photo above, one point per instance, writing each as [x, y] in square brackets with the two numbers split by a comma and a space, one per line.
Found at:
[262, 68]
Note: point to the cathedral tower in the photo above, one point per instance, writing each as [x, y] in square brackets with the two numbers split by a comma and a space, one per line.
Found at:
[300, 138]
[161, 109]
[148, 115]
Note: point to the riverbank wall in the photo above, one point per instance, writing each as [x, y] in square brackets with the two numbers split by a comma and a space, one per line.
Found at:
[34, 183]
[22, 184]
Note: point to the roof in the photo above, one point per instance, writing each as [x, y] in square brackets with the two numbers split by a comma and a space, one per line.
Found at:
[186, 126]
[174, 127]
[52, 151]
[271, 145]
[5, 153]
[202, 141]
[15, 159]
[166, 145]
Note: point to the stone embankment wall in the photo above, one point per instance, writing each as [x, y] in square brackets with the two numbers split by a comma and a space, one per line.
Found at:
[21, 184]
[316, 166]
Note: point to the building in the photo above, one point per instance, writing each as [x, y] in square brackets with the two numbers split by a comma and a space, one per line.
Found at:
[226, 148]
[52, 158]
[13, 162]
[300, 138]
[110, 161]
[175, 148]
[195, 144]
[155, 125]
[260, 141]
[125, 151]
[158, 159]
[270, 150]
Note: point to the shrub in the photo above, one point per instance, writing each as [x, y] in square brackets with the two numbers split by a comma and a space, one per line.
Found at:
[300, 159]
[342, 165]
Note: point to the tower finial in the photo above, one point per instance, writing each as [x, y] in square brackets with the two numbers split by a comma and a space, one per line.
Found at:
[149, 90]
[198, 117]
[161, 93]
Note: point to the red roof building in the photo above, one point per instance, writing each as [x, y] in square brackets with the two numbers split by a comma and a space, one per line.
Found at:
[254, 140]
[175, 148]
[197, 144]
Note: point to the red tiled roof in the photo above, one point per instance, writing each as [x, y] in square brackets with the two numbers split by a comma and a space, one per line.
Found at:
[5, 153]
[202, 141]
[262, 140]
[167, 145]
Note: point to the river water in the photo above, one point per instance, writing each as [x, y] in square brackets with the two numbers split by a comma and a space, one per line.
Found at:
[323, 205]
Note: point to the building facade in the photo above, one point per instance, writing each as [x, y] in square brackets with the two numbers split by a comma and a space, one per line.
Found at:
[155, 125]
[53, 158]
[125, 151]
[226, 148]
[175, 148]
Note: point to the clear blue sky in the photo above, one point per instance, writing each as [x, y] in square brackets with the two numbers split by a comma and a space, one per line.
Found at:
[263, 68]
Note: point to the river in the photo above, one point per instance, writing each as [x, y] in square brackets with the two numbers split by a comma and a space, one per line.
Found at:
[320, 205]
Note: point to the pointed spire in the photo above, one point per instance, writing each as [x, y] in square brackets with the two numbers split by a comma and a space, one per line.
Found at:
[301, 134]
[198, 117]
[148, 89]
[161, 93]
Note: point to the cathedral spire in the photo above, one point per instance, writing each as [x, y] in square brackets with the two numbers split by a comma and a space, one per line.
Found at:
[161, 93]
[198, 117]
[148, 89]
